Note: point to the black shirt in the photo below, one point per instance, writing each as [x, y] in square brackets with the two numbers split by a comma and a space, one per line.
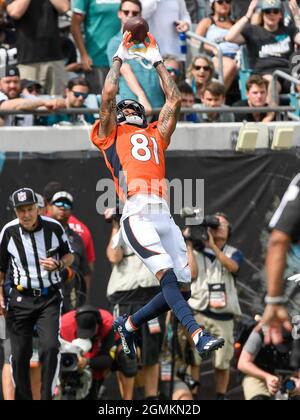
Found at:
[287, 217]
[269, 50]
[38, 34]
[247, 117]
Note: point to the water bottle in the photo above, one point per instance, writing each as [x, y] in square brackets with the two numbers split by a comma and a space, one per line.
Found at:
[183, 45]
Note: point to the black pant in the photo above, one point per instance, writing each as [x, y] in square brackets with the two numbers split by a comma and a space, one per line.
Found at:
[24, 313]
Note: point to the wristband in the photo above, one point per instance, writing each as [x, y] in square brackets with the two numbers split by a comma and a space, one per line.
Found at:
[276, 300]
[157, 63]
[116, 58]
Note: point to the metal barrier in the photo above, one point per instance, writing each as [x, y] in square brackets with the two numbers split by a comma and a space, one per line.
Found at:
[203, 40]
[280, 74]
[279, 110]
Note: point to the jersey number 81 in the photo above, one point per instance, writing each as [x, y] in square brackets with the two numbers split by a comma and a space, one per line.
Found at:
[141, 143]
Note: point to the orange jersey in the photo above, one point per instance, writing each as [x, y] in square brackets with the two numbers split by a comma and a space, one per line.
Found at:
[135, 157]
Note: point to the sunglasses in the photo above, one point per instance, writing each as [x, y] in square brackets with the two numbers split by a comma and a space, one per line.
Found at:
[223, 2]
[171, 70]
[79, 94]
[205, 68]
[63, 204]
[272, 11]
[126, 13]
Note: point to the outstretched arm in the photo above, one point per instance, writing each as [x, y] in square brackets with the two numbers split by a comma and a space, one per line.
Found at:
[111, 87]
[169, 114]
[108, 105]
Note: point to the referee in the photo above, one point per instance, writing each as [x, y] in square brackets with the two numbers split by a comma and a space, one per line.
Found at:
[37, 248]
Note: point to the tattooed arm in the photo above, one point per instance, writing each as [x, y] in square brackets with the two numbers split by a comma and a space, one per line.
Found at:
[108, 114]
[169, 115]
[108, 104]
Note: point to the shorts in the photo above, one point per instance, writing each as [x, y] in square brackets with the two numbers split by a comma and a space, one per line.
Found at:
[158, 242]
[253, 387]
[150, 344]
[221, 358]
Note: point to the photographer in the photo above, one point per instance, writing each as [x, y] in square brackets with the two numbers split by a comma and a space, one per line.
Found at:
[262, 364]
[214, 294]
[88, 322]
[130, 286]
[283, 260]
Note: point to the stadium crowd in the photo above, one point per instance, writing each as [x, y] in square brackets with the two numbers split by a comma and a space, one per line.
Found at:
[54, 56]
[61, 62]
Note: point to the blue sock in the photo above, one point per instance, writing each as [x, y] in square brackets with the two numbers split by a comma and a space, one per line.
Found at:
[157, 306]
[176, 302]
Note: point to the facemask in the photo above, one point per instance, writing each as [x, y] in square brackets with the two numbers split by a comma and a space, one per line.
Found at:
[134, 119]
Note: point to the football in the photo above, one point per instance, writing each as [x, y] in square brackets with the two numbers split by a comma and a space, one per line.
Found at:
[138, 28]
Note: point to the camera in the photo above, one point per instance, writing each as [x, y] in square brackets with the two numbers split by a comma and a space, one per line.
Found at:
[75, 383]
[68, 362]
[199, 231]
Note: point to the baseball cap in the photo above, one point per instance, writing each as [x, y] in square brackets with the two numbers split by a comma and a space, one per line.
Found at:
[271, 4]
[86, 325]
[11, 71]
[23, 197]
[62, 196]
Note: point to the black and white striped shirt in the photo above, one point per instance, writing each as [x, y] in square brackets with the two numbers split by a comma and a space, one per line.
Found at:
[24, 250]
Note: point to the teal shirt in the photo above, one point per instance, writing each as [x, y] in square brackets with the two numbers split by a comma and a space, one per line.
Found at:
[145, 74]
[100, 25]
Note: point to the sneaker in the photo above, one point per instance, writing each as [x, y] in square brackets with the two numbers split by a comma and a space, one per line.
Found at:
[127, 337]
[207, 344]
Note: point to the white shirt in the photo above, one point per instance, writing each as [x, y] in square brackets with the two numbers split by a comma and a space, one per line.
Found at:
[161, 15]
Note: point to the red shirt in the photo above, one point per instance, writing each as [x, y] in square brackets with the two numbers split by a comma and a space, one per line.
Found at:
[68, 331]
[86, 236]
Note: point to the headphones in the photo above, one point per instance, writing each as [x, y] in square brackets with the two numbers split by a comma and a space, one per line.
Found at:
[220, 214]
[89, 309]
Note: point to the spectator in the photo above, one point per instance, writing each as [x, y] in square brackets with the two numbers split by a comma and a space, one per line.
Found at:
[101, 23]
[88, 322]
[199, 74]
[75, 224]
[8, 51]
[139, 80]
[257, 92]
[187, 101]
[215, 28]
[77, 281]
[11, 98]
[76, 93]
[214, 97]
[130, 286]
[166, 19]
[39, 52]
[173, 66]
[30, 87]
[72, 64]
[271, 44]
[214, 294]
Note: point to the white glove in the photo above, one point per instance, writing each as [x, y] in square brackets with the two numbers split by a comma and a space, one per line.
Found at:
[151, 53]
[123, 51]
